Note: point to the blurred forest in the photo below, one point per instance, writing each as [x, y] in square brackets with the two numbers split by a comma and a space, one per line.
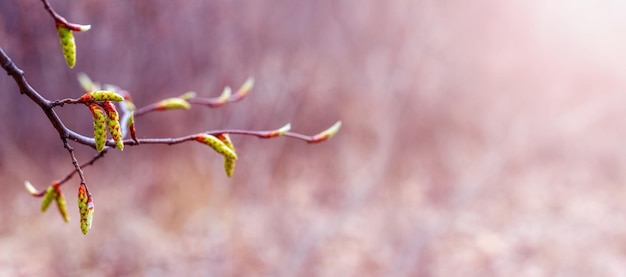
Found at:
[479, 138]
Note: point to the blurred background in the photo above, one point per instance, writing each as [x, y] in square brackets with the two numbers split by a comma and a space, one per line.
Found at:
[479, 138]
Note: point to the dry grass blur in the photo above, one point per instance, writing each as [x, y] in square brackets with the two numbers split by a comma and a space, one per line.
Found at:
[480, 138]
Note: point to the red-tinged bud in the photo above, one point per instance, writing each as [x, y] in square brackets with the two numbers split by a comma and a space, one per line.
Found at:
[99, 126]
[278, 132]
[86, 208]
[68, 44]
[173, 103]
[217, 145]
[244, 89]
[225, 138]
[114, 124]
[131, 127]
[326, 134]
[32, 190]
[77, 27]
[187, 95]
[100, 95]
[226, 93]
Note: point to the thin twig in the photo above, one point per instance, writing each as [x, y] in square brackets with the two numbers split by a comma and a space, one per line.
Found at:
[74, 161]
[177, 140]
[146, 109]
[54, 14]
[214, 102]
[90, 162]
[61, 102]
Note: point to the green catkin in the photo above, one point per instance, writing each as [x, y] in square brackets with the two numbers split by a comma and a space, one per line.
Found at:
[217, 145]
[50, 195]
[99, 126]
[114, 124]
[101, 95]
[229, 164]
[86, 208]
[68, 44]
[62, 206]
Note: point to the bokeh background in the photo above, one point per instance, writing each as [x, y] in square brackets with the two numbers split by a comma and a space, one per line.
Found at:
[480, 138]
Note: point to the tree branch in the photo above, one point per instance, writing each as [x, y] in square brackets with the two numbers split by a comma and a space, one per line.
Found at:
[106, 117]
[66, 134]
[58, 19]
[26, 89]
